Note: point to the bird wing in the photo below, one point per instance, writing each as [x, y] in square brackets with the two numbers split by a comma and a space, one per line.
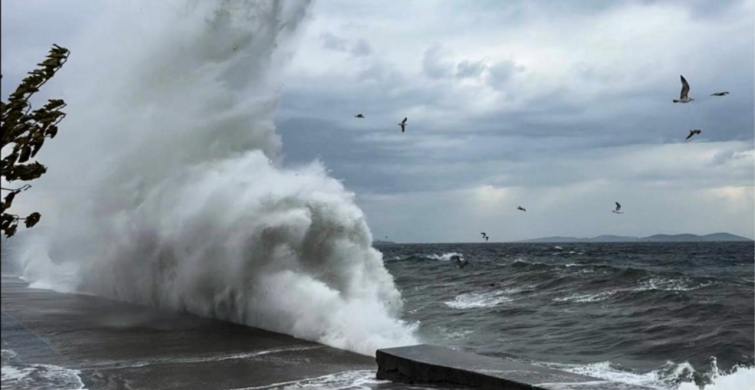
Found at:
[691, 133]
[618, 206]
[685, 88]
[403, 122]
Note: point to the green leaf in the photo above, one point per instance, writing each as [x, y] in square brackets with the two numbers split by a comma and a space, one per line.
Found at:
[32, 219]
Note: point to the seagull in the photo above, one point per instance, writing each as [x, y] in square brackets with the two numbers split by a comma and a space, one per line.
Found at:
[521, 208]
[693, 132]
[485, 236]
[683, 98]
[403, 125]
[618, 207]
[359, 116]
[719, 94]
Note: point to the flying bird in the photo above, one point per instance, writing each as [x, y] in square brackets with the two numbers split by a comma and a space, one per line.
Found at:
[521, 208]
[719, 94]
[693, 132]
[359, 116]
[684, 96]
[403, 125]
[618, 208]
[485, 236]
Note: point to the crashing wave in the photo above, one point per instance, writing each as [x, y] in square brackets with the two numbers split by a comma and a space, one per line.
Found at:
[180, 200]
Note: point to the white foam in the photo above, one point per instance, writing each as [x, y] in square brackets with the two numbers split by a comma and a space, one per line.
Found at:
[444, 256]
[180, 199]
[583, 298]
[478, 300]
[739, 378]
[352, 380]
[449, 334]
[17, 376]
[201, 359]
[669, 377]
[662, 379]
[653, 284]
[663, 284]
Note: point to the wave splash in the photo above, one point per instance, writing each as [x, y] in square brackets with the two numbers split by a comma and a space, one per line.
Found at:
[192, 210]
[18, 376]
[669, 377]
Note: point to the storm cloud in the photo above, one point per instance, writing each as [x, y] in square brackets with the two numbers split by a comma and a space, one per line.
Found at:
[562, 108]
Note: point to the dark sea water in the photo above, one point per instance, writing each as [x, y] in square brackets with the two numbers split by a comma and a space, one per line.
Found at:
[646, 313]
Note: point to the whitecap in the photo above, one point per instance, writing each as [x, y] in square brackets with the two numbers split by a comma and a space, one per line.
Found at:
[18, 376]
[671, 376]
[361, 379]
[582, 298]
[662, 284]
[444, 256]
[478, 300]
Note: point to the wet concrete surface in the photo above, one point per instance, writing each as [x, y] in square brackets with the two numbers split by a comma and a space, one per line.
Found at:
[116, 345]
[443, 366]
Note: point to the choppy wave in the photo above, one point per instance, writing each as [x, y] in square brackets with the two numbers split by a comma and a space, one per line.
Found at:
[347, 380]
[425, 256]
[478, 300]
[669, 377]
[19, 376]
[597, 297]
[193, 210]
[654, 284]
[444, 256]
[664, 284]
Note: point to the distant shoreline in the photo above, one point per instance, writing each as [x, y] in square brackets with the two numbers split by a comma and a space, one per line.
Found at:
[686, 237]
[659, 238]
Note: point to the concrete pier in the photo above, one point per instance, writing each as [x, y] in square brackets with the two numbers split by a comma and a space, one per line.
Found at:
[427, 364]
[116, 345]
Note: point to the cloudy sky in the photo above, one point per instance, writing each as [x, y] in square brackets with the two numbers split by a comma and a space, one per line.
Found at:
[562, 108]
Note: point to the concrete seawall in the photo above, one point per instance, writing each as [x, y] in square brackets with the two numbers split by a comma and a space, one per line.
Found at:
[427, 364]
[115, 345]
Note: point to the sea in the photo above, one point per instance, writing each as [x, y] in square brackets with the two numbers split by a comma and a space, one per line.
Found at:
[668, 316]
[661, 315]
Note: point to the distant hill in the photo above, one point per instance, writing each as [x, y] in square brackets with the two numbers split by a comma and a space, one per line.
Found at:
[714, 237]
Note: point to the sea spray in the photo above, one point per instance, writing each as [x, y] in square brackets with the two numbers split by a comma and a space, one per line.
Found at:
[173, 195]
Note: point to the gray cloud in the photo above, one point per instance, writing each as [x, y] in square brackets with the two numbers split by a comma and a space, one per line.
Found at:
[502, 72]
[332, 42]
[548, 105]
[361, 48]
[434, 65]
[470, 69]
[358, 48]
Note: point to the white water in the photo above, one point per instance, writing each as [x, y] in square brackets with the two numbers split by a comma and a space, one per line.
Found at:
[670, 377]
[169, 191]
[478, 300]
[18, 376]
[444, 256]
